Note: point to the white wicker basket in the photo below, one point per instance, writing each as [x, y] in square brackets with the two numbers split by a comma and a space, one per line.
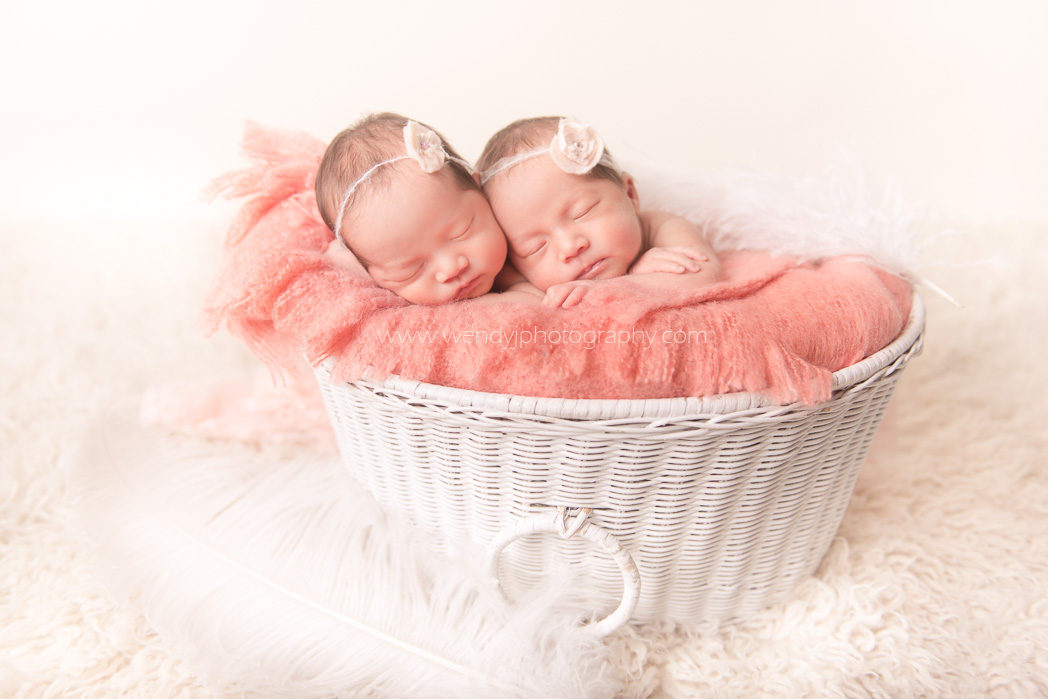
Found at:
[723, 504]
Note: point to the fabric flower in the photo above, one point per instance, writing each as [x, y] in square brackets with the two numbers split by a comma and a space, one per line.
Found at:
[424, 147]
[576, 148]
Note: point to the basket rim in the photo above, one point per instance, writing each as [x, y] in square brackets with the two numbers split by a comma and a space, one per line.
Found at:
[611, 408]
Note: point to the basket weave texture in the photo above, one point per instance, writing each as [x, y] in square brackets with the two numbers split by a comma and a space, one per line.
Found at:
[725, 503]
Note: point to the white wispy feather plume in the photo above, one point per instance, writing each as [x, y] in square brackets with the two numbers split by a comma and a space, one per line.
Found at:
[278, 577]
[836, 212]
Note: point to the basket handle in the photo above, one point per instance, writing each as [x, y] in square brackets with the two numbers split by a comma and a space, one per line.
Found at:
[556, 522]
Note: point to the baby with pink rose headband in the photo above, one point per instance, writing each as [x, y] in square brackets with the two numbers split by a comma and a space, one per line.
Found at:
[410, 210]
[572, 218]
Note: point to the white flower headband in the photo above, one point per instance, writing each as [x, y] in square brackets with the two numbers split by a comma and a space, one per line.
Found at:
[576, 149]
[421, 145]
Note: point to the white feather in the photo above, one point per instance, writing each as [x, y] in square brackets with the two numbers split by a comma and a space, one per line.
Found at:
[277, 576]
[834, 213]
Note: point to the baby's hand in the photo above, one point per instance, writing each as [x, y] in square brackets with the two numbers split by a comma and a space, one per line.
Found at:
[676, 260]
[567, 294]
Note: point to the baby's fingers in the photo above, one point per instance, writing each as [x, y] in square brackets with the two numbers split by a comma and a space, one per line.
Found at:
[556, 294]
[687, 264]
[669, 266]
[692, 252]
[574, 297]
[665, 260]
[690, 258]
[565, 295]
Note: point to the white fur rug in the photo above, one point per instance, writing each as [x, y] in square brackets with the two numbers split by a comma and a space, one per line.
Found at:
[937, 584]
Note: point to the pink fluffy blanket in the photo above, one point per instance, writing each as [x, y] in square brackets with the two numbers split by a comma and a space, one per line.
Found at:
[773, 326]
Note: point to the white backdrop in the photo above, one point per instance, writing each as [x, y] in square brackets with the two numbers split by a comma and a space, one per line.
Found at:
[115, 113]
[123, 108]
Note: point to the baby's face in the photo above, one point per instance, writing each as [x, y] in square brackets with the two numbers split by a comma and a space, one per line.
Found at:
[563, 227]
[426, 238]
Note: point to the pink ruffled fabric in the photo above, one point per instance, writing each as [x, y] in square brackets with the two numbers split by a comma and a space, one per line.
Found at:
[773, 326]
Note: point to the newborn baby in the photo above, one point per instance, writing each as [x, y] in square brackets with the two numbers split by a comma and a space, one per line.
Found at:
[411, 211]
[571, 217]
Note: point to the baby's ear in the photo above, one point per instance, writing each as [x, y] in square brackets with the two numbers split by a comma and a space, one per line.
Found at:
[341, 258]
[476, 177]
[631, 190]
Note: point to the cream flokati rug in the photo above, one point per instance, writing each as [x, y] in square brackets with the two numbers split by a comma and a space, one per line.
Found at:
[937, 584]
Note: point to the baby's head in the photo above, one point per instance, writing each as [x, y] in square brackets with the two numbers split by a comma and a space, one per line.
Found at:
[566, 209]
[410, 209]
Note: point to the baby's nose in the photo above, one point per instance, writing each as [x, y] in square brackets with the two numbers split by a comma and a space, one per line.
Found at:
[571, 245]
[451, 266]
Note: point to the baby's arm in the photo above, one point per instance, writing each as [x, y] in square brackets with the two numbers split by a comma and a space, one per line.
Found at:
[677, 247]
[678, 257]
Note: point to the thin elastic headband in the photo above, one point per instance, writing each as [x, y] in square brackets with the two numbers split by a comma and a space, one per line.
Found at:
[576, 149]
[422, 145]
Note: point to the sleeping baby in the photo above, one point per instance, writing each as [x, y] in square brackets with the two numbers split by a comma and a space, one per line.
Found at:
[410, 210]
[572, 218]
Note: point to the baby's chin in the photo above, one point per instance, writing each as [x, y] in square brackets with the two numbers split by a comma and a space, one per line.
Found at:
[478, 288]
[482, 287]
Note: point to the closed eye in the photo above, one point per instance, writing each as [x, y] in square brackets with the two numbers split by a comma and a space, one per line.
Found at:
[535, 248]
[585, 210]
[407, 275]
[465, 232]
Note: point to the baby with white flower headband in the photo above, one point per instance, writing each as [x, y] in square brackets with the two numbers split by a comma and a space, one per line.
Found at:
[571, 217]
[411, 211]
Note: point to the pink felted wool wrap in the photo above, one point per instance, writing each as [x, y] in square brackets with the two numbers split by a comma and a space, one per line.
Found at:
[773, 326]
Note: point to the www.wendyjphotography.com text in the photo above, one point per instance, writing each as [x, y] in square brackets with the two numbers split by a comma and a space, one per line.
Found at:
[514, 339]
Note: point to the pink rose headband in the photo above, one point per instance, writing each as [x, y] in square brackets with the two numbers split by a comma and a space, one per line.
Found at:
[421, 145]
[576, 149]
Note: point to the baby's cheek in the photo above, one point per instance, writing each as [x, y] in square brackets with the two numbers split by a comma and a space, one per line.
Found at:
[501, 250]
[524, 264]
[545, 274]
[487, 258]
[423, 294]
